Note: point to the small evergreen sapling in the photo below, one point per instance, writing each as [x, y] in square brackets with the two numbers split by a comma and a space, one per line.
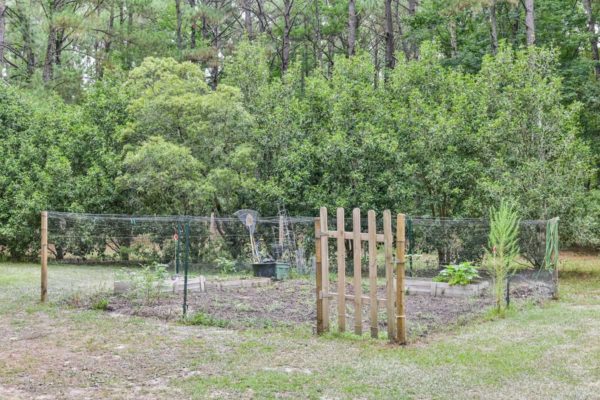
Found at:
[503, 248]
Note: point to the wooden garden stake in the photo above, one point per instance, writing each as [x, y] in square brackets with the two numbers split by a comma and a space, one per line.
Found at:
[341, 266]
[325, 266]
[319, 276]
[281, 231]
[400, 265]
[213, 226]
[44, 256]
[389, 273]
[356, 249]
[372, 226]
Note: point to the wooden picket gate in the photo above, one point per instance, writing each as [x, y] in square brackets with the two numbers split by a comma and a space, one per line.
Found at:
[394, 299]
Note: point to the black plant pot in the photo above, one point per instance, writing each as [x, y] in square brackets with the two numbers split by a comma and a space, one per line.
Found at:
[265, 269]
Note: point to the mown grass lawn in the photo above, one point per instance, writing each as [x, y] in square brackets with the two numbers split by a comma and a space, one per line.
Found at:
[56, 351]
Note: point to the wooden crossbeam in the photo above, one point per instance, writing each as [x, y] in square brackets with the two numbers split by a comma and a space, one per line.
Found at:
[365, 300]
[364, 236]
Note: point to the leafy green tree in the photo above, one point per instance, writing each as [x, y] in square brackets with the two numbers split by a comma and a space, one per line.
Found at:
[171, 100]
[163, 177]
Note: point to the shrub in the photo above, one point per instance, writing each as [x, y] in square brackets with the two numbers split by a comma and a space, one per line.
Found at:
[460, 274]
[147, 283]
[226, 266]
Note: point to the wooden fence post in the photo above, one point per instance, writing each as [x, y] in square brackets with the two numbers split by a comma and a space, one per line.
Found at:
[318, 276]
[356, 249]
[400, 266]
[555, 260]
[325, 266]
[373, 305]
[341, 270]
[44, 256]
[389, 274]
[281, 231]
[213, 226]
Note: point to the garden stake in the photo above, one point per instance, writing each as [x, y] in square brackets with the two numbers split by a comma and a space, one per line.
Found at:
[186, 265]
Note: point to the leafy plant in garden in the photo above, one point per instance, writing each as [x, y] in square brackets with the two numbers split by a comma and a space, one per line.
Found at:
[204, 319]
[503, 248]
[146, 284]
[226, 266]
[460, 274]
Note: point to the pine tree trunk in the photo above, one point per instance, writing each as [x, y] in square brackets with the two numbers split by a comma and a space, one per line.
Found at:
[412, 11]
[530, 22]
[248, 19]
[2, 30]
[261, 16]
[390, 61]
[107, 42]
[193, 27]
[351, 27]
[493, 27]
[60, 40]
[376, 61]
[453, 39]
[318, 50]
[402, 38]
[48, 71]
[287, 28]
[26, 36]
[214, 75]
[179, 22]
[129, 33]
[591, 23]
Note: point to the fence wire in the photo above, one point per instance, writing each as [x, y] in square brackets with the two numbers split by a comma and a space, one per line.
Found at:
[113, 248]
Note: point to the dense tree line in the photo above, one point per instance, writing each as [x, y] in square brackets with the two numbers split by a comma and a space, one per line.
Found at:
[428, 107]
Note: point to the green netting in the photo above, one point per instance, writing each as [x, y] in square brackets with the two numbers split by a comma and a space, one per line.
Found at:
[115, 248]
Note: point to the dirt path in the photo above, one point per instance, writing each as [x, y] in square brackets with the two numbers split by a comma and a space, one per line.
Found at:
[92, 355]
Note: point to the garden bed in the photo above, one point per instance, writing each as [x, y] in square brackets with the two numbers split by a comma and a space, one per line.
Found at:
[442, 289]
[292, 303]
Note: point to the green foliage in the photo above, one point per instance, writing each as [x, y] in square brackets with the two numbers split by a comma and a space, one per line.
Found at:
[226, 266]
[156, 171]
[147, 283]
[204, 319]
[100, 304]
[433, 140]
[503, 247]
[460, 274]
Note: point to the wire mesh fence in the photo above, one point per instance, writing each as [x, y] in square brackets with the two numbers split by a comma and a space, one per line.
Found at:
[138, 240]
[433, 244]
[91, 255]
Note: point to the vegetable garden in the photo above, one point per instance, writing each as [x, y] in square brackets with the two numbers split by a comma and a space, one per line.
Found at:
[200, 269]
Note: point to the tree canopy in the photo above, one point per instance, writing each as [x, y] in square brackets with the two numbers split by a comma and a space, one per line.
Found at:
[190, 107]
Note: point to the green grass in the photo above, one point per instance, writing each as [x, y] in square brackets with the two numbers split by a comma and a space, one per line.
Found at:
[534, 352]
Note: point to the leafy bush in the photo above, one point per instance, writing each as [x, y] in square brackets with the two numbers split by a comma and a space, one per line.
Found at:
[226, 266]
[460, 274]
[147, 283]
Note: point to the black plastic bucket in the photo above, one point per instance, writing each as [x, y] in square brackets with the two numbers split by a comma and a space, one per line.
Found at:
[265, 270]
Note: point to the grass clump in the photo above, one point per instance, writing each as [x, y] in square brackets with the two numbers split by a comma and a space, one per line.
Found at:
[100, 304]
[203, 319]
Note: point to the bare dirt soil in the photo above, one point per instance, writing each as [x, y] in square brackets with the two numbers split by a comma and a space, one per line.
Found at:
[292, 302]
